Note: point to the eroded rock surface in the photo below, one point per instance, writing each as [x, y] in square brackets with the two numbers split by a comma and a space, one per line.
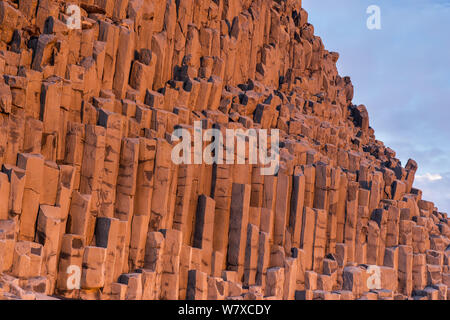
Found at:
[93, 207]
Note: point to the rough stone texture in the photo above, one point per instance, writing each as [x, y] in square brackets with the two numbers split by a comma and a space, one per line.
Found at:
[92, 207]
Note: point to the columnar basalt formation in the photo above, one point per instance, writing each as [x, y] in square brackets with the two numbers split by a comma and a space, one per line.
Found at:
[93, 207]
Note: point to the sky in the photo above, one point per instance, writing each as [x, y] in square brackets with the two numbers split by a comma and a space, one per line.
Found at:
[401, 73]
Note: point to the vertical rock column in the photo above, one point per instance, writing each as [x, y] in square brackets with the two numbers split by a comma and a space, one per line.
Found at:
[106, 236]
[170, 264]
[34, 168]
[351, 219]
[204, 227]
[92, 166]
[223, 197]
[142, 201]
[240, 201]
[49, 234]
[112, 122]
[182, 204]
[296, 209]
[70, 263]
[281, 208]
[161, 191]
[125, 192]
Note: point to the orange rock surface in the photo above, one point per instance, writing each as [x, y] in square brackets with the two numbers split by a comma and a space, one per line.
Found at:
[93, 207]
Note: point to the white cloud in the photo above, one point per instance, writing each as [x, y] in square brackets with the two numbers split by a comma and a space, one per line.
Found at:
[429, 177]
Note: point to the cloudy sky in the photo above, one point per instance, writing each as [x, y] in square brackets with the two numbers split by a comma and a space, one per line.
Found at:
[402, 74]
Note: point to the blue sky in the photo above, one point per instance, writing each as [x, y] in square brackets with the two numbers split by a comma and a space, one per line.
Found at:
[402, 74]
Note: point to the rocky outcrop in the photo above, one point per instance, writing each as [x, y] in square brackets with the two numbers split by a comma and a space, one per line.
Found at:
[93, 207]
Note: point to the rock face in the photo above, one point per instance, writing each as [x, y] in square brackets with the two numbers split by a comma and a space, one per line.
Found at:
[93, 207]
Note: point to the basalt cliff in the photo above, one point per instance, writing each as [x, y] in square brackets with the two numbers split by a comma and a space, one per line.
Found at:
[92, 205]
